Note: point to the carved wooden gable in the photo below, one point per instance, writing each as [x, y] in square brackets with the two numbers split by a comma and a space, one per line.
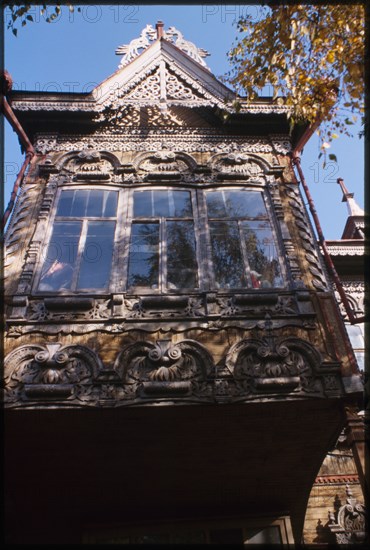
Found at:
[161, 76]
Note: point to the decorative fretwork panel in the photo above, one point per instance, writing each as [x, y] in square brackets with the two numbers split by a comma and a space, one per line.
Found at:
[47, 375]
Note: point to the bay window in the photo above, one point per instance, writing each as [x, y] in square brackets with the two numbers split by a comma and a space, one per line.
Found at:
[161, 240]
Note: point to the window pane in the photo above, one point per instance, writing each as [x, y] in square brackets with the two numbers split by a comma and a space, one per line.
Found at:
[262, 255]
[162, 204]
[144, 255]
[79, 203]
[181, 259]
[226, 255]
[94, 203]
[266, 535]
[182, 204]
[235, 204]
[143, 204]
[96, 258]
[83, 202]
[61, 256]
[110, 204]
[356, 336]
[65, 203]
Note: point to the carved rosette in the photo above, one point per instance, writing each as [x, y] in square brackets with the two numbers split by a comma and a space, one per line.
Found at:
[51, 372]
[165, 369]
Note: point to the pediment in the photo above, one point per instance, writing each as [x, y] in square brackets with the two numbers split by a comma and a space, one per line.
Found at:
[162, 76]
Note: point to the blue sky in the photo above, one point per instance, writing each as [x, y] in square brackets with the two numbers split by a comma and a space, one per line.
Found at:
[77, 51]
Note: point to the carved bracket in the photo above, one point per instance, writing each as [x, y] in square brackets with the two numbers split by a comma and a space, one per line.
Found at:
[275, 365]
[185, 371]
[348, 523]
[166, 369]
[51, 372]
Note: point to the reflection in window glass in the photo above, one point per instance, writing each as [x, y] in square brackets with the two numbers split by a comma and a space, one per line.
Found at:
[162, 204]
[82, 203]
[61, 256]
[226, 255]
[163, 244]
[79, 255]
[143, 257]
[97, 256]
[181, 263]
[163, 254]
[235, 204]
[244, 253]
[264, 269]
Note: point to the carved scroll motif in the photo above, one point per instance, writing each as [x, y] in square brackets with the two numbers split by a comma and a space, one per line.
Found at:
[49, 372]
[348, 524]
[89, 165]
[278, 365]
[240, 166]
[149, 34]
[165, 369]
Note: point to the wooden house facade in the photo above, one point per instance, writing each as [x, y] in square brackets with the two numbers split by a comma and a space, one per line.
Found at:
[176, 363]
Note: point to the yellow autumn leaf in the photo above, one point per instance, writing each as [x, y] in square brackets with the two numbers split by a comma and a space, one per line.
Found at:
[330, 57]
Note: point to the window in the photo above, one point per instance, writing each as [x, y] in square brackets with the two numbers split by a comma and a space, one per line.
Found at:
[162, 247]
[243, 246]
[356, 336]
[235, 532]
[79, 255]
[164, 240]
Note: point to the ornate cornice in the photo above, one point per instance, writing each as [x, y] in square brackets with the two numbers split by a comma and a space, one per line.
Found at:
[148, 139]
[337, 479]
[346, 247]
[260, 108]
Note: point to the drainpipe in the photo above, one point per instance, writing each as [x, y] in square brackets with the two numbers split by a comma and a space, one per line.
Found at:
[295, 156]
[6, 86]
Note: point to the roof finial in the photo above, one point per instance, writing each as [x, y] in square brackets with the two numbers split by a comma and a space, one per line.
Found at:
[353, 208]
[159, 27]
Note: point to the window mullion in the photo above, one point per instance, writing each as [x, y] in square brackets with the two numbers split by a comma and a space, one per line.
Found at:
[203, 241]
[247, 272]
[125, 222]
[162, 255]
[80, 251]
